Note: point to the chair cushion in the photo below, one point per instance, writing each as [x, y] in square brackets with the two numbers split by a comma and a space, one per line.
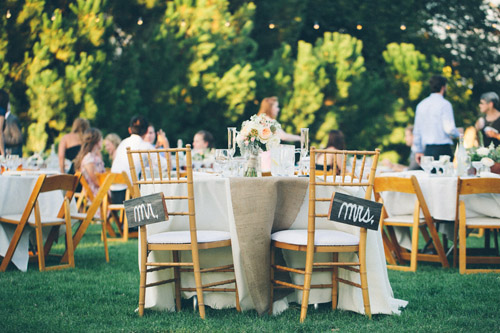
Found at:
[483, 220]
[408, 219]
[322, 237]
[184, 237]
[31, 220]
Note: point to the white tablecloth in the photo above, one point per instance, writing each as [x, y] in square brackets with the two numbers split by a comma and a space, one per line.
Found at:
[14, 194]
[214, 212]
[440, 194]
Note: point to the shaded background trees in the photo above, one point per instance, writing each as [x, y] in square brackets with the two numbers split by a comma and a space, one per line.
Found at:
[352, 65]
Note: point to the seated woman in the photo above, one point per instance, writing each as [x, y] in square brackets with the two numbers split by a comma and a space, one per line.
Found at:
[70, 144]
[111, 142]
[89, 159]
[336, 141]
[270, 107]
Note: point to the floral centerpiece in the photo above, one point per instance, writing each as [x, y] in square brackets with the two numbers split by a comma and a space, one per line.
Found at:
[488, 156]
[256, 135]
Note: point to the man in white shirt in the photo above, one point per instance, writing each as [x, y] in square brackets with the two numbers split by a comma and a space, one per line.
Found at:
[434, 123]
[137, 128]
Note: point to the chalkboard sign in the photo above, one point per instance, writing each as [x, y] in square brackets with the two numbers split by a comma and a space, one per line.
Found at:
[146, 210]
[355, 211]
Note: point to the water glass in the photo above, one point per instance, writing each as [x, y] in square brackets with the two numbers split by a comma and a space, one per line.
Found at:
[283, 160]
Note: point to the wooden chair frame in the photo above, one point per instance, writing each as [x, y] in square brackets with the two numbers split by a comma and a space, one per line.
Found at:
[45, 184]
[345, 178]
[174, 176]
[86, 218]
[396, 256]
[116, 212]
[468, 187]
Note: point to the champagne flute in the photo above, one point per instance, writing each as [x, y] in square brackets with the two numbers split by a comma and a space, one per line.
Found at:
[222, 157]
[304, 142]
[231, 141]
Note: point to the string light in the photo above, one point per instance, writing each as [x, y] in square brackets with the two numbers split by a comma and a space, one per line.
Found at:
[359, 26]
[402, 27]
[316, 25]
[183, 23]
[227, 24]
[448, 27]
[494, 25]
[272, 25]
[53, 17]
[8, 15]
[140, 21]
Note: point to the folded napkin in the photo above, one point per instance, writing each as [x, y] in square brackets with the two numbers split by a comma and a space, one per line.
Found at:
[485, 174]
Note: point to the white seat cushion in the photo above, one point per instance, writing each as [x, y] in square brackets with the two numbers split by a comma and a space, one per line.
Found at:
[408, 219]
[483, 221]
[184, 237]
[322, 237]
[45, 219]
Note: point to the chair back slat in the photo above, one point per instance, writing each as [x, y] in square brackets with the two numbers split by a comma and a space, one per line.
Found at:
[58, 182]
[479, 185]
[348, 175]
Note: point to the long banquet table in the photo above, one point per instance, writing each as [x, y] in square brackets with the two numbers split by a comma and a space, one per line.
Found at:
[250, 209]
[15, 190]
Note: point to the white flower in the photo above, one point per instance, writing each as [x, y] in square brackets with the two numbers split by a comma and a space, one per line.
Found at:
[483, 151]
[488, 162]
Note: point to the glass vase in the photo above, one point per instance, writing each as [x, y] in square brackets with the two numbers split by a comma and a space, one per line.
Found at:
[252, 168]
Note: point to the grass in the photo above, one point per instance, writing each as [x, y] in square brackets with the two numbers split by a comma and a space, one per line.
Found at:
[102, 297]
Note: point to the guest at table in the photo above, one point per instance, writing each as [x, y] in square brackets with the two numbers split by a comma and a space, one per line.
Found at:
[138, 127]
[434, 126]
[12, 134]
[489, 123]
[336, 141]
[111, 142]
[4, 101]
[203, 141]
[270, 107]
[150, 137]
[70, 144]
[89, 159]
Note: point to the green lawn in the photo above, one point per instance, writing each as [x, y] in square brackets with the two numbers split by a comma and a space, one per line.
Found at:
[102, 297]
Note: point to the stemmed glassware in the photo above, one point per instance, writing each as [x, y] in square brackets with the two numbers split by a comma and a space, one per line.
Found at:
[231, 141]
[478, 166]
[426, 163]
[222, 158]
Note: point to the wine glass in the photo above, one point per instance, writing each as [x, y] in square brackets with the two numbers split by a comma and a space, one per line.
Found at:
[304, 142]
[426, 163]
[231, 141]
[222, 157]
[477, 165]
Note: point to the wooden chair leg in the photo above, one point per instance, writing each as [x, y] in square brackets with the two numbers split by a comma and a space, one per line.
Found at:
[414, 249]
[177, 277]
[335, 284]
[272, 279]
[39, 247]
[364, 282]
[142, 282]
[105, 240]
[307, 283]
[462, 238]
[237, 295]
[437, 245]
[198, 281]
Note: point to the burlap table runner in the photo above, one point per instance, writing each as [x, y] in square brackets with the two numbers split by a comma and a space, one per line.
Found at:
[260, 206]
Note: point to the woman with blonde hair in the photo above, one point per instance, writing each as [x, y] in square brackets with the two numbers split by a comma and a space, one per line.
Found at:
[111, 142]
[270, 107]
[89, 159]
[70, 144]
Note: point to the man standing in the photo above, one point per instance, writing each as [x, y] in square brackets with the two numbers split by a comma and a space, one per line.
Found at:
[434, 123]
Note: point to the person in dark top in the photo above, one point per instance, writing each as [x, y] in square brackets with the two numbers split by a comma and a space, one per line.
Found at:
[12, 134]
[336, 141]
[4, 102]
[489, 123]
[70, 144]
